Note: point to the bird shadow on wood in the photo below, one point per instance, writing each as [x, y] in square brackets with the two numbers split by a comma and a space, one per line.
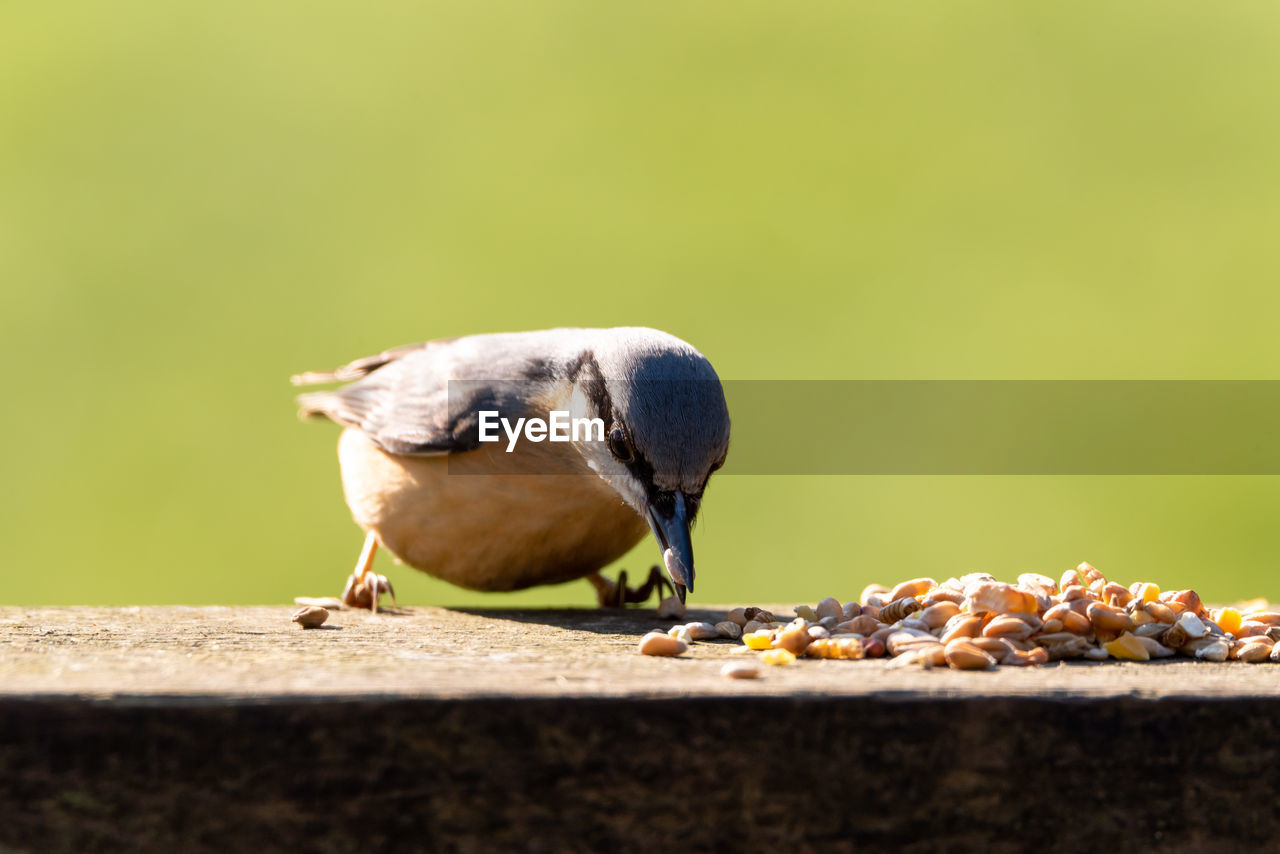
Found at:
[604, 621]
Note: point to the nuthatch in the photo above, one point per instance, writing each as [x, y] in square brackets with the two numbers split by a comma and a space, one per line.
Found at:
[506, 515]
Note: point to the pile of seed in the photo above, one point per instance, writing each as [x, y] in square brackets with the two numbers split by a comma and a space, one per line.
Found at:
[975, 622]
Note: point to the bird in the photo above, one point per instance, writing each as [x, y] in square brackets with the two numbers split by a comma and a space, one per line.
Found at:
[424, 478]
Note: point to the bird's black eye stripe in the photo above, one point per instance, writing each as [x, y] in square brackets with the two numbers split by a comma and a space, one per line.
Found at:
[620, 445]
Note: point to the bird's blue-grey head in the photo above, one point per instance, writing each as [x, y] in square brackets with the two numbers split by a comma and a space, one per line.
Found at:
[666, 432]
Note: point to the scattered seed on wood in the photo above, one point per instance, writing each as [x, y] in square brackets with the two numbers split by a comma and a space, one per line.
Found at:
[670, 608]
[1154, 648]
[898, 609]
[913, 588]
[845, 648]
[656, 643]
[794, 639]
[310, 616]
[778, 657]
[729, 629]
[938, 614]
[961, 626]
[1008, 627]
[681, 633]
[829, 607]
[1026, 657]
[1213, 650]
[964, 655]
[1108, 618]
[740, 670]
[1254, 652]
[975, 621]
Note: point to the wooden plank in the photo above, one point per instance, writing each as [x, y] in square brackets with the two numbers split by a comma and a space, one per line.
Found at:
[217, 729]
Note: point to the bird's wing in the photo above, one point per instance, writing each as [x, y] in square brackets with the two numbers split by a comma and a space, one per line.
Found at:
[423, 399]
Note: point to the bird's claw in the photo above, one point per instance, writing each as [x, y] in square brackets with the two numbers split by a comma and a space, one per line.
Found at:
[366, 591]
[616, 594]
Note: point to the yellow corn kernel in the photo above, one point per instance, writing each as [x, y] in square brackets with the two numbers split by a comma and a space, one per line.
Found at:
[762, 639]
[1228, 619]
[777, 657]
[847, 648]
[1149, 592]
[1128, 648]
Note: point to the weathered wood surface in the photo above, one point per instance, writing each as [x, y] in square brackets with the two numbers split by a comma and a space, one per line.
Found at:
[222, 654]
[227, 729]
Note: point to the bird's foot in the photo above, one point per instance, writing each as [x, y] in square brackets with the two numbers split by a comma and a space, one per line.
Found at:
[616, 594]
[366, 591]
[364, 586]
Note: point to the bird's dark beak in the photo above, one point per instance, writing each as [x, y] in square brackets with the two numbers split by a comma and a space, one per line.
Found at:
[672, 533]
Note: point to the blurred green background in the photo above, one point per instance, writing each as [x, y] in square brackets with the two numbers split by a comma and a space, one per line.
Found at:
[198, 200]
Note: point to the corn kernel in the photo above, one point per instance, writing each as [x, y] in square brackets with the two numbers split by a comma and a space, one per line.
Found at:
[1128, 648]
[759, 640]
[847, 648]
[777, 657]
[1229, 620]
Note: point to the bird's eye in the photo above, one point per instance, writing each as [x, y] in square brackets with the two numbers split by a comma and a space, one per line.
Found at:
[619, 446]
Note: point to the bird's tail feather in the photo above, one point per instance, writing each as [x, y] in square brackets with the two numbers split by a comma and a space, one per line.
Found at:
[316, 403]
[360, 367]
